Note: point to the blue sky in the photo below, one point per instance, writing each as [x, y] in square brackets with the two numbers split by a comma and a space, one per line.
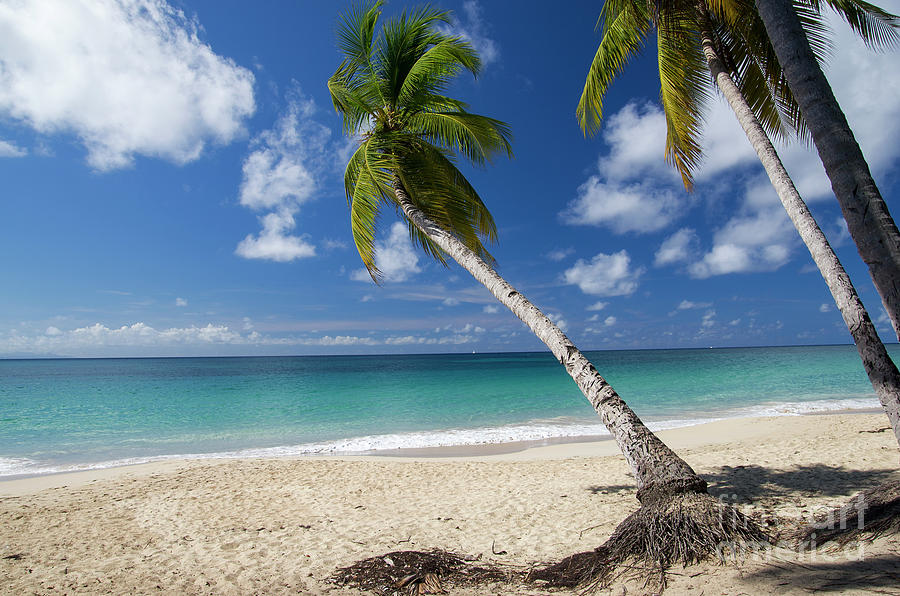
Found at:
[172, 186]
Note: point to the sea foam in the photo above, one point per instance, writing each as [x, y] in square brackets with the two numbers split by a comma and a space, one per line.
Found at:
[534, 432]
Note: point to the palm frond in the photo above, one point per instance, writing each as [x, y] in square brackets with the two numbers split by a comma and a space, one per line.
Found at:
[444, 195]
[353, 101]
[477, 137]
[684, 91]
[433, 71]
[356, 29]
[755, 70]
[878, 28]
[367, 185]
[623, 33]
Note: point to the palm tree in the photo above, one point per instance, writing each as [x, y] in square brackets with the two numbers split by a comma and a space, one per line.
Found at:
[389, 91]
[868, 220]
[690, 41]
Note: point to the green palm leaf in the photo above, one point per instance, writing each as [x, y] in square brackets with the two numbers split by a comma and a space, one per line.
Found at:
[623, 34]
[390, 90]
[684, 84]
[877, 27]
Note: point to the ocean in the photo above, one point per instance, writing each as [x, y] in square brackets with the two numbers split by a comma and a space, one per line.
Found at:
[75, 414]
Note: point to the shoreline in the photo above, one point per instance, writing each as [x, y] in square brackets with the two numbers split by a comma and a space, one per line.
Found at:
[704, 434]
[285, 525]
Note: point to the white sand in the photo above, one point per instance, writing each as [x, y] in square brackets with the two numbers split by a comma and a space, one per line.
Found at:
[284, 525]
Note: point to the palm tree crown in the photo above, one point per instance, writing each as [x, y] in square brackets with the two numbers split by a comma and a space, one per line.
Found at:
[389, 91]
[741, 43]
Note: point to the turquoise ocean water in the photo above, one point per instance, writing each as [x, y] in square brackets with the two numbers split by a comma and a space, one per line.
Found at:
[58, 415]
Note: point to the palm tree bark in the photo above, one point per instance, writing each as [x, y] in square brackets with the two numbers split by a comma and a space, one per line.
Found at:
[658, 471]
[879, 367]
[868, 219]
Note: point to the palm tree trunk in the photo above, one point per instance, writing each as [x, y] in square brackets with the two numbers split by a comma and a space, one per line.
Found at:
[882, 371]
[658, 471]
[868, 220]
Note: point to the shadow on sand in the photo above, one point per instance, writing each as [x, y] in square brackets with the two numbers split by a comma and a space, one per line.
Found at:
[751, 483]
[843, 570]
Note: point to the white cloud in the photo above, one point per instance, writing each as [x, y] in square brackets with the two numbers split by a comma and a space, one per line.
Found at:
[760, 240]
[278, 176]
[687, 304]
[634, 189]
[677, 248]
[825, 308]
[605, 275]
[138, 334]
[8, 149]
[181, 302]
[491, 309]
[709, 319]
[598, 306]
[609, 321]
[623, 208]
[273, 242]
[396, 257]
[559, 254]
[474, 30]
[127, 77]
[636, 136]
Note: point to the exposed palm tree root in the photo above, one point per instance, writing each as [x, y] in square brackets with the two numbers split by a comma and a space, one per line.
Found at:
[420, 572]
[867, 515]
[683, 528]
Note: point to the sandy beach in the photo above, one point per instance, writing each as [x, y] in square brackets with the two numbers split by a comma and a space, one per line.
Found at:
[271, 526]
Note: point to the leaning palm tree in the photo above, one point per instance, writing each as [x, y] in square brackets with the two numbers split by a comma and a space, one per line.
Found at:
[868, 220]
[692, 41]
[389, 91]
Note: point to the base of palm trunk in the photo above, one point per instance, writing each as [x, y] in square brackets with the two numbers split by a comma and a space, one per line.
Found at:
[867, 515]
[685, 528]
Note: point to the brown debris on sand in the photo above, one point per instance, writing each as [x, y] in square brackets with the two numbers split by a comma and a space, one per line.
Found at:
[686, 529]
[421, 572]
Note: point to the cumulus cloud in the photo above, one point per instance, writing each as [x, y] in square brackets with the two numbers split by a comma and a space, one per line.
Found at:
[605, 275]
[609, 321]
[473, 29]
[638, 207]
[760, 240]
[396, 258]
[98, 336]
[636, 137]
[598, 306]
[141, 338]
[274, 242]
[491, 309]
[634, 189]
[279, 177]
[677, 248]
[8, 149]
[126, 77]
